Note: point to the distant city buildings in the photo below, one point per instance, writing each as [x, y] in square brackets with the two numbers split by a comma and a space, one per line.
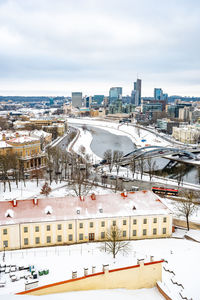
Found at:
[136, 93]
[77, 99]
[115, 93]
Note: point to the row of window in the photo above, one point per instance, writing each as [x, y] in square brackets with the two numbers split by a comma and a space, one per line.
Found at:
[91, 224]
[70, 236]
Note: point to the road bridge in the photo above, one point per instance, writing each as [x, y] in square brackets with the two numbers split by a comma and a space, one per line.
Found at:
[154, 151]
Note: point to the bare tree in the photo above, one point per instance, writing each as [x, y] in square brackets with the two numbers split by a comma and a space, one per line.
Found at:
[108, 156]
[80, 173]
[151, 165]
[114, 241]
[140, 166]
[180, 173]
[46, 190]
[187, 205]
[133, 166]
[117, 156]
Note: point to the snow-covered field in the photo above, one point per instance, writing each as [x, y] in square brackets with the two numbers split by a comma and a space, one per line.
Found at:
[182, 256]
[30, 190]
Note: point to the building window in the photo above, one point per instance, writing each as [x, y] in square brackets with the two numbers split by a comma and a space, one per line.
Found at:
[164, 220]
[154, 231]
[134, 232]
[134, 221]
[70, 226]
[37, 240]
[144, 221]
[5, 243]
[25, 229]
[91, 224]
[102, 224]
[5, 231]
[144, 232]
[48, 239]
[25, 241]
[80, 225]
[114, 223]
[59, 226]
[70, 237]
[80, 236]
[37, 228]
[48, 227]
[59, 238]
[155, 220]
[102, 235]
[124, 222]
[164, 231]
[124, 233]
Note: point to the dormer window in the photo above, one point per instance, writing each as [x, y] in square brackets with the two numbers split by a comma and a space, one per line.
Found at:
[9, 213]
[78, 211]
[48, 210]
[101, 210]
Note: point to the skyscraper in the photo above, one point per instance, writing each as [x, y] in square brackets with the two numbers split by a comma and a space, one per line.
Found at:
[115, 93]
[76, 99]
[136, 93]
[158, 94]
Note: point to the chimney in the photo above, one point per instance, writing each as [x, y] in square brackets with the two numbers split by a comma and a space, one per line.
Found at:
[93, 269]
[14, 202]
[35, 201]
[3, 137]
[105, 268]
[82, 198]
[140, 262]
[74, 274]
[93, 196]
[151, 258]
[125, 193]
[85, 271]
[17, 134]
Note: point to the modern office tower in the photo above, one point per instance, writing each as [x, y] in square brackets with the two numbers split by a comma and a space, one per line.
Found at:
[88, 101]
[76, 99]
[98, 98]
[115, 93]
[136, 93]
[165, 97]
[158, 94]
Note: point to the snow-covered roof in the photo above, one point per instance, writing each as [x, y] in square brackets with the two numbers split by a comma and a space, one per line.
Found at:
[23, 139]
[4, 144]
[65, 208]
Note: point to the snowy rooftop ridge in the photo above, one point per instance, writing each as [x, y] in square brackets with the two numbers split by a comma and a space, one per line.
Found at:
[65, 208]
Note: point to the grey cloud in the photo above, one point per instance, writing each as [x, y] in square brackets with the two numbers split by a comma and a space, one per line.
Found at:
[100, 41]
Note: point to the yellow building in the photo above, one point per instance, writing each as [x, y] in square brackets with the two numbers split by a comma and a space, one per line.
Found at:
[27, 150]
[69, 220]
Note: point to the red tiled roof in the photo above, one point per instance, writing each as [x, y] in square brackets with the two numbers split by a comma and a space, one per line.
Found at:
[66, 207]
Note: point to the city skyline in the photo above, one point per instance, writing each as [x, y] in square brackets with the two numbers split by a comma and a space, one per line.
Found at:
[50, 48]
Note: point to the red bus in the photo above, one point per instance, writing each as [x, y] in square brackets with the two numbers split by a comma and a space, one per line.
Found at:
[164, 191]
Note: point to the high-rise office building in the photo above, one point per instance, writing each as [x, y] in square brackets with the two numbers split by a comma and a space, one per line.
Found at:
[76, 99]
[136, 93]
[115, 93]
[158, 94]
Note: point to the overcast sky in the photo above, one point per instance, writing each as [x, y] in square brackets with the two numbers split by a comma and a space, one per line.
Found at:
[54, 47]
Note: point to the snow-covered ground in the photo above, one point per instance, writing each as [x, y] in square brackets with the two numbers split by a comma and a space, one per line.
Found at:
[31, 190]
[182, 256]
